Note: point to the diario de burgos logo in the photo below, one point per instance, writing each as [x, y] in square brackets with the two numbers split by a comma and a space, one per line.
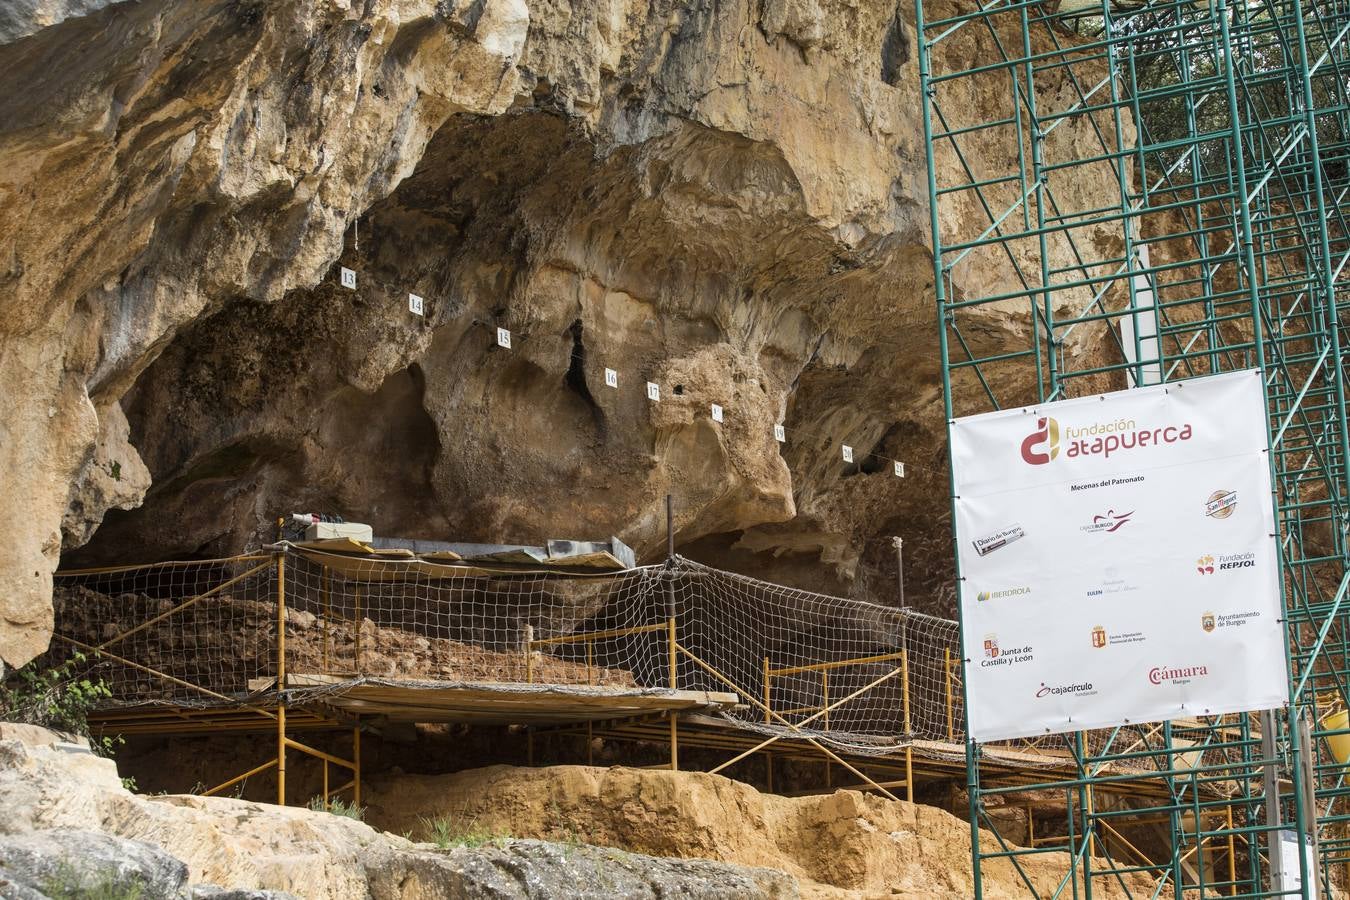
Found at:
[1226, 562]
[1046, 435]
[1084, 689]
[1176, 674]
[1001, 538]
[982, 596]
[1220, 504]
[1097, 438]
[1108, 523]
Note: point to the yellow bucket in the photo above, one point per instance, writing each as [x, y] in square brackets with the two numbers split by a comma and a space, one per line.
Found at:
[1338, 744]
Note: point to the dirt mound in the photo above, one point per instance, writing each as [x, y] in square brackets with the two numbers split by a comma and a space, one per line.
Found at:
[845, 844]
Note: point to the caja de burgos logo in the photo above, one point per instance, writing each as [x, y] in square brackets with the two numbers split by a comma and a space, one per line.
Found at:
[1095, 439]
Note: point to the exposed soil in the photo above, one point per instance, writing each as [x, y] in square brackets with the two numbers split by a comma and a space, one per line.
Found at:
[226, 645]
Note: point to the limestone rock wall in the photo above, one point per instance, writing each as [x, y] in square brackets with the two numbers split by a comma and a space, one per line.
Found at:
[723, 196]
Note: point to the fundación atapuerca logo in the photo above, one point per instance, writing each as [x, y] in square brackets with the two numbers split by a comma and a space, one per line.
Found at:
[1098, 438]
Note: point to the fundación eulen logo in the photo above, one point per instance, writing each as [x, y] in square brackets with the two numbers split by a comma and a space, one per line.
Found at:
[982, 596]
[1096, 438]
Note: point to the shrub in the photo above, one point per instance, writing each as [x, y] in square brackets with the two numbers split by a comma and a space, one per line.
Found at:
[58, 698]
[338, 807]
[454, 831]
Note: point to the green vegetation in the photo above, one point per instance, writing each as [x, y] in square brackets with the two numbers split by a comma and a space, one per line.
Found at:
[455, 831]
[67, 884]
[338, 807]
[60, 698]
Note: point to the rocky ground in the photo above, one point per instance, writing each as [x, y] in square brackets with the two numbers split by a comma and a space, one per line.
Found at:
[72, 830]
[540, 833]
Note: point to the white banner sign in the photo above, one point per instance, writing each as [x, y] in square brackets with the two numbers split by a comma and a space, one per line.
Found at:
[1118, 559]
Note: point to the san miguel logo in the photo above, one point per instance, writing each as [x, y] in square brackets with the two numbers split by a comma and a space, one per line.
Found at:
[1097, 439]
[1221, 504]
[1176, 674]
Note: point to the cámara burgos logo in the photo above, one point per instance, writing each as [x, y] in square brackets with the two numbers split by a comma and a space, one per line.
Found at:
[1175, 674]
[1096, 439]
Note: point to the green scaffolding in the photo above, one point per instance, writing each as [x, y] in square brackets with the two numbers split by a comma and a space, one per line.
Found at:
[1128, 194]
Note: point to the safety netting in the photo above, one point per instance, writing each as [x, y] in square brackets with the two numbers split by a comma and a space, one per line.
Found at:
[864, 677]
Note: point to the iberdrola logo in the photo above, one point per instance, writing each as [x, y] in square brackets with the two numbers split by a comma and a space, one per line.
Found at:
[1046, 433]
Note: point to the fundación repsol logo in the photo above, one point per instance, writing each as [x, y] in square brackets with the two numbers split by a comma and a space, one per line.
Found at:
[1227, 562]
[1097, 438]
[1176, 674]
[982, 596]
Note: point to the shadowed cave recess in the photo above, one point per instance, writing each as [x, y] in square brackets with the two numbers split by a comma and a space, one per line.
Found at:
[651, 260]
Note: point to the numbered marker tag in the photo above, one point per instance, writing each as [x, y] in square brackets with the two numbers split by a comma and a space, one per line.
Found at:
[504, 338]
[779, 434]
[653, 392]
[611, 378]
[348, 278]
[848, 453]
[716, 413]
[415, 305]
[899, 470]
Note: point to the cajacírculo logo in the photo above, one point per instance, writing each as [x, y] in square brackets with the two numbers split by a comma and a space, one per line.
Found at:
[1085, 689]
